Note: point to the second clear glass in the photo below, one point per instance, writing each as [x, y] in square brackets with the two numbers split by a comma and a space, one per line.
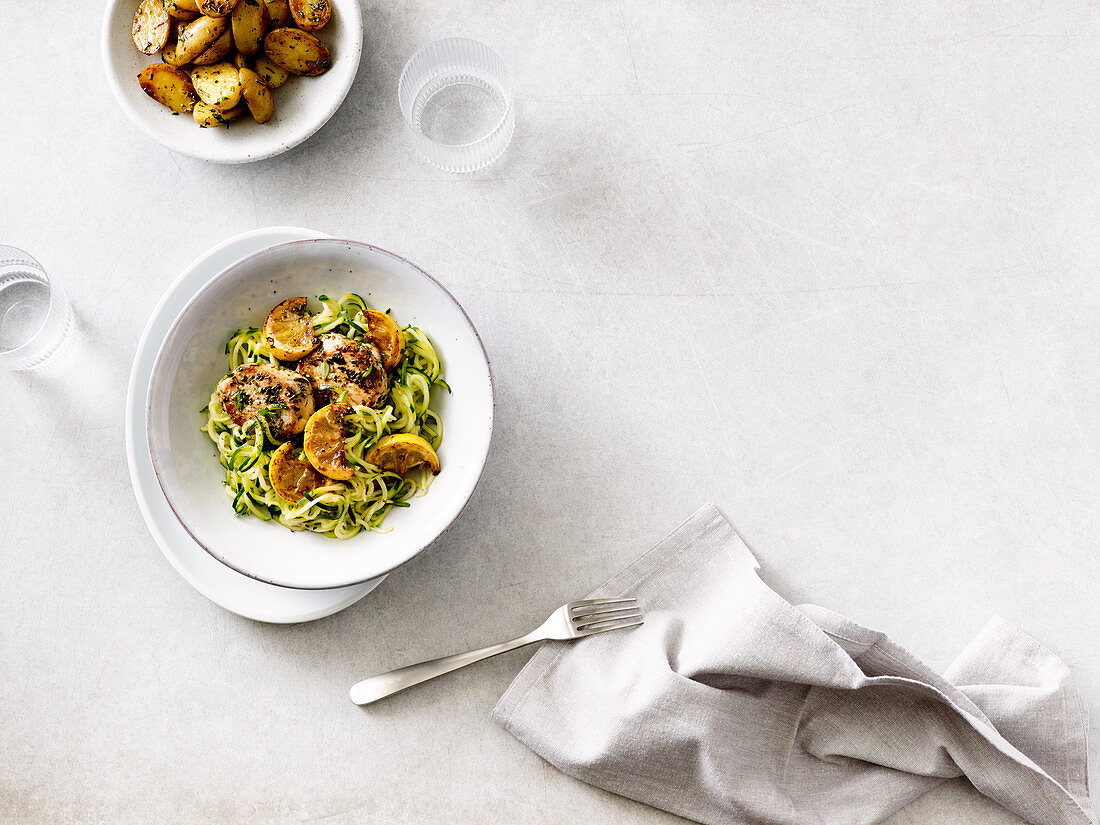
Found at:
[457, 104]
[35, 316]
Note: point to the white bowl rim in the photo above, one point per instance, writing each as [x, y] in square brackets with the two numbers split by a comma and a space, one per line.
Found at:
[350, 10]
[194, 298]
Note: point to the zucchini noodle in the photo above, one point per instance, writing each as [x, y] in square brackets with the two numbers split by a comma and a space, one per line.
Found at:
[338, 509]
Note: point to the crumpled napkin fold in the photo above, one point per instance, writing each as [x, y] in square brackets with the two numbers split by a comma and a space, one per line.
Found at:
[731, 705]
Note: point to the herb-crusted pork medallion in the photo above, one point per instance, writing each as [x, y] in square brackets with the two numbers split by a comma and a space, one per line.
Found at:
[280, 398]
[342, 365]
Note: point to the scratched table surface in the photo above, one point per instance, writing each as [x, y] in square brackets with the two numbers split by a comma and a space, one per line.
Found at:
[832, 266]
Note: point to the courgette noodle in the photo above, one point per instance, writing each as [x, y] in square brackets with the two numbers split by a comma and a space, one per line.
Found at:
[341, 509]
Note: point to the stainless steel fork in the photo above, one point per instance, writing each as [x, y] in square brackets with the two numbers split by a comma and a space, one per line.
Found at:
[570, 621]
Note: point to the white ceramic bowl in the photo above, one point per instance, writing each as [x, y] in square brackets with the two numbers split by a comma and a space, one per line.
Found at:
[191, 360]
[302, 105]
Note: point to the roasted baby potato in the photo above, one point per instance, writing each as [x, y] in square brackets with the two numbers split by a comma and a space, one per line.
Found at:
[297, 52]
[272, 76]
[258, 99]
[182, 9]
[249, 24]
[217, 52]
[170, 55]
[170, 86]
[310, 15]
[218, 85]
[151, 28]
[279, 12]
[198, 36]
[217, 8]
[207, 116]
[386, 335]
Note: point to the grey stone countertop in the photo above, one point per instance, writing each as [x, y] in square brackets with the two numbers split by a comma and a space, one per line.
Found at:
[832, 266]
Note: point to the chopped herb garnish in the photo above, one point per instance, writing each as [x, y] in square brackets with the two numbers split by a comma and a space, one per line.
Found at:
[271, 409]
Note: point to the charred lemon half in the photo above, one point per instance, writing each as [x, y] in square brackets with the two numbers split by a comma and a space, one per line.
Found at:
[323, 442]
[400, 452]
[386, 336]
[291, 477]
[288, 330]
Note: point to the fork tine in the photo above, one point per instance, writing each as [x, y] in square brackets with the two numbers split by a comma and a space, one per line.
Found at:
[603, 618]
[587, 602]
[619, 625]
[594, 612]
[585, 610]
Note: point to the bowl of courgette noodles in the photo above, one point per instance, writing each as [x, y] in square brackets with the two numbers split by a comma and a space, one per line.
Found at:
[346, 508]
[214, 455]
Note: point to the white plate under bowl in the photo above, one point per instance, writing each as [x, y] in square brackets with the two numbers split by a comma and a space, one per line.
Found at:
[223, 586]
[191, 361]
[302, 104]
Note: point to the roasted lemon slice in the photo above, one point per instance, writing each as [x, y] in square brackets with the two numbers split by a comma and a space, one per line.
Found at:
[400, 452]
[288, 330]
[291, 477]
[323, 443]
[386, 335]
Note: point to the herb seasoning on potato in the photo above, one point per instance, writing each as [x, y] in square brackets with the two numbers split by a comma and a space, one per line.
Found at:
[223, 58]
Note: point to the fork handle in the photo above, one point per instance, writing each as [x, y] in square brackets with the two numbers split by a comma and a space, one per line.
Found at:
[386, 684]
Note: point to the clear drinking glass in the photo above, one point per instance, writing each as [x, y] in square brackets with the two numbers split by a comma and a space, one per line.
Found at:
[457, 104]
[35, 316]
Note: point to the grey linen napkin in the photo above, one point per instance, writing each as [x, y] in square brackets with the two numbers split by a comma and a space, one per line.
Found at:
[731, 705]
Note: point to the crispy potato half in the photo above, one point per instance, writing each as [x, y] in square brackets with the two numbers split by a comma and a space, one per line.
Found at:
[249, 22]
[151, 27]
[169, 86]
[288, 329]
[272, 76]
[182, 9]
[258, 99]
[386, 335]
[297, 52]
[217, 8]
[310, 15]
[217, 52]
[170, 55]
[279, 12]
[198, 36]
[207, 116]
[323, 442]
[218, 85]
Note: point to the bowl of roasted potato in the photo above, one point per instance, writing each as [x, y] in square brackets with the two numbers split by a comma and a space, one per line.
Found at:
[231, 81]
